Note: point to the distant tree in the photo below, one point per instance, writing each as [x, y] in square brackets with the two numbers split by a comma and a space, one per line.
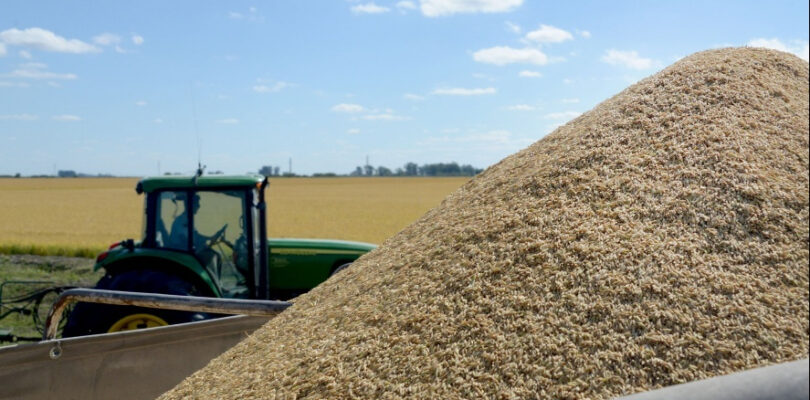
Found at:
[324, 174]
[357, 172]
[17, 175]
[383, 171]
[266, 170]
[399, 172]
[469, 170]
[67, 174]
[411, 169]
[369, 170]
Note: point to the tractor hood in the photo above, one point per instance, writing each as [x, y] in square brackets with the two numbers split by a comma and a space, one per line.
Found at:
[278, 245]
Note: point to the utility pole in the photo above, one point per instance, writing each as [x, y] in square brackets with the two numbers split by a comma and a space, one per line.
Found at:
[290, 166]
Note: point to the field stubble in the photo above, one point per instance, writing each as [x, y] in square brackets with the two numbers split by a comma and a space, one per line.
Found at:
[81, 216]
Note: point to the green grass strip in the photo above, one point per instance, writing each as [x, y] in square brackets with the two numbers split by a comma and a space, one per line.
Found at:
[50, 250]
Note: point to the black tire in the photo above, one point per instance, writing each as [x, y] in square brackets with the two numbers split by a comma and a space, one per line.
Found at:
[340, 268]
[91, 318]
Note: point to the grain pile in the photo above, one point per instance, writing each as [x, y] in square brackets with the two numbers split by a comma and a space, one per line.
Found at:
[660, 238]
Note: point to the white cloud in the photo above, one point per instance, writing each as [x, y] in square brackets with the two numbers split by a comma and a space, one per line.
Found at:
[502, 55]
[66, 118]
[23, 54]
[369, 8]
[137, 40]
[384, 117]
[228, 121]
[512, 27]
[496, 136]
[348, 108]
[413, 97]
[158, 120]
[520, 107]
[406, 5]
[529, 74]
[251, 16]
[776, 44]
[141, 103]
[18, 117]
[464, 91]
[565, 115]
[570, 101]
[585, 34]
[353, 131]
[276, 87]
[42, 39]
[549, 34]
[2, 49]
[13, 84]
[437, 8]
[36, 71]
[478, 75]
[106, 39]
[629, 59]
[498, 140]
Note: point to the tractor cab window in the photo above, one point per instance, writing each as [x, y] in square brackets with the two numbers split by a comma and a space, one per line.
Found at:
[172, 221]
[218, 236]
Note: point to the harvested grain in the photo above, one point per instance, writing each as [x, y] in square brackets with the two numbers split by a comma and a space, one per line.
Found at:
[660, 238]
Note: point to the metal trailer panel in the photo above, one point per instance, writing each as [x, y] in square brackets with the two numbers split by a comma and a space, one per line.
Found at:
[134, 365]
[786, 381]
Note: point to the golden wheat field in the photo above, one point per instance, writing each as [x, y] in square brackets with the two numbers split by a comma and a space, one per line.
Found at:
[84, 215]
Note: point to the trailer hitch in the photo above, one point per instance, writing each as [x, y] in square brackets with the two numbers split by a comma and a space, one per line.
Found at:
[267, 308]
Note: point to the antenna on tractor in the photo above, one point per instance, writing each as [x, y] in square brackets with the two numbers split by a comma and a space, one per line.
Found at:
[200, 167]
[199, 173]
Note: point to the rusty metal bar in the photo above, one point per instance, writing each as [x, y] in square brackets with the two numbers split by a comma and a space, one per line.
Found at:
[160, 301]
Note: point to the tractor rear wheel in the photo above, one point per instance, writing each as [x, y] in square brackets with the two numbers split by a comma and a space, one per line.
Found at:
[91, 318]
[340, 268]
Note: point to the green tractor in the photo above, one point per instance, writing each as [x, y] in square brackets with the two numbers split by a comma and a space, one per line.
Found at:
[206, 236]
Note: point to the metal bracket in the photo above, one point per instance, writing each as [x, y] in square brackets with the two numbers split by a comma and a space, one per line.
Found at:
[160, 301]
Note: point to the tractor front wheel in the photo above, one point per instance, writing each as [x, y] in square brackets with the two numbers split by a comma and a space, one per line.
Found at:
[91, 318]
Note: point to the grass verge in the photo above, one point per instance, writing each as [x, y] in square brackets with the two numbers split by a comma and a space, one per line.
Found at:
[24, 274]
[50, 250]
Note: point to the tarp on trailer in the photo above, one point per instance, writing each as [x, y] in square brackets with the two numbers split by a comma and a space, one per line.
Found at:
[785, 381]
[126, 365]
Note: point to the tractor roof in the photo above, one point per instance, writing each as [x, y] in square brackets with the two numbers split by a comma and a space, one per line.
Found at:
[152, 184]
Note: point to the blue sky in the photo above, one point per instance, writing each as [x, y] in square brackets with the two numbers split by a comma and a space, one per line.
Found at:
[137, 88]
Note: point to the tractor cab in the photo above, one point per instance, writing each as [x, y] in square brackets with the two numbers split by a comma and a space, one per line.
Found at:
[217, 220]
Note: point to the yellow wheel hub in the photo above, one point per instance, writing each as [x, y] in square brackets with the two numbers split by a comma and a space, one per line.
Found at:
[137, 321]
